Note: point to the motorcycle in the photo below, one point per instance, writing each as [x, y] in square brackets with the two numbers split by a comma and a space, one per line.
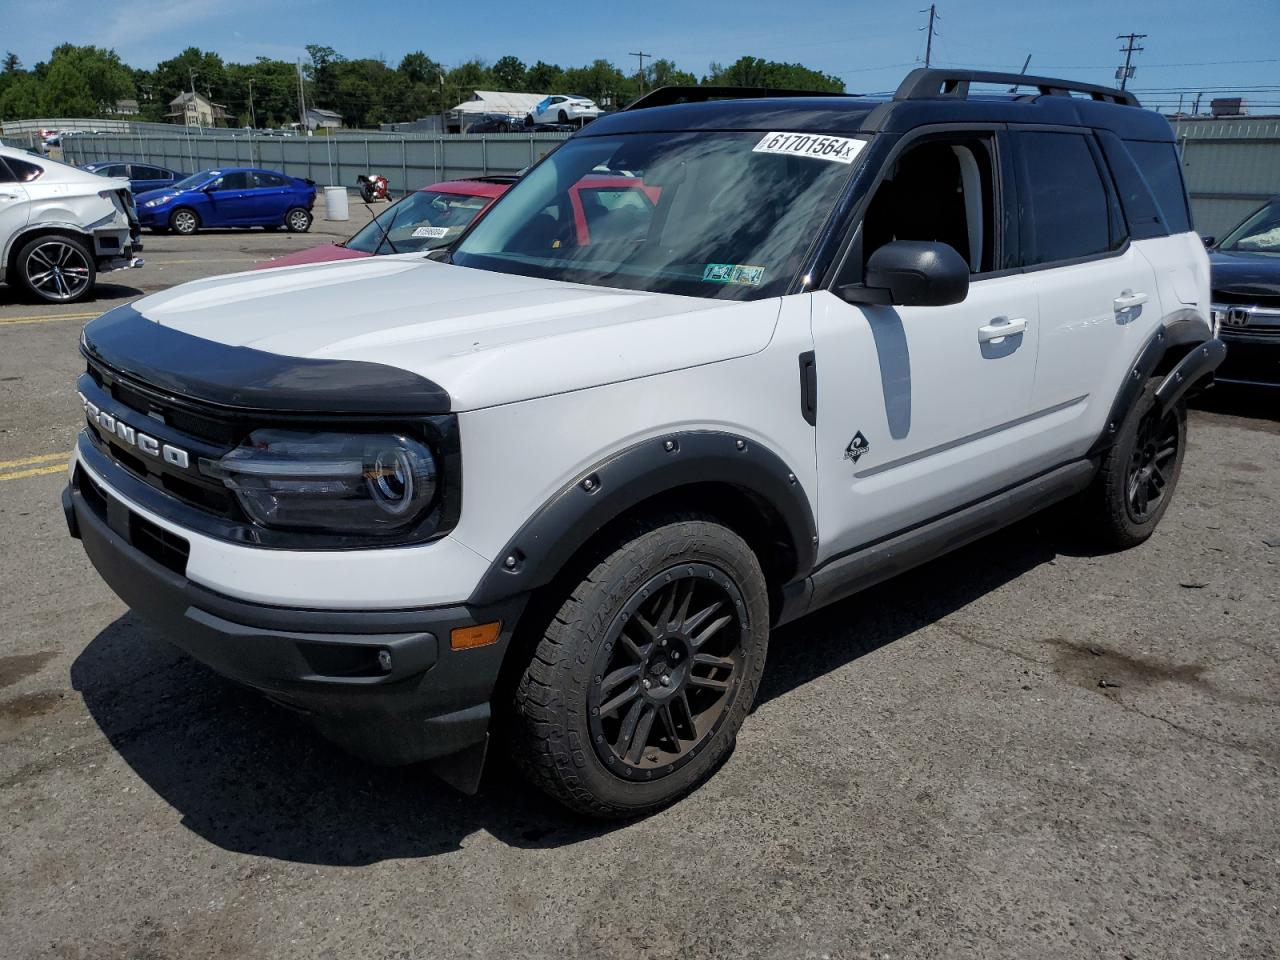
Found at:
[373, 187]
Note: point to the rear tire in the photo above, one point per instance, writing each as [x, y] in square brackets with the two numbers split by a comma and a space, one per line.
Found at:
[56, 268]
[1138, 475]
[644, 676]
[184, 221]
[298, 220]
[564, 117]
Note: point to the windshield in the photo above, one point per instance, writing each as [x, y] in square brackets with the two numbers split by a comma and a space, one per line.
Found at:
[421, 221]
[1259, 234]
[195, 180]
[727, 215]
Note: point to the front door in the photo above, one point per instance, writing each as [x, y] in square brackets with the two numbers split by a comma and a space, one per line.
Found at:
[231, 199]
[922, 410]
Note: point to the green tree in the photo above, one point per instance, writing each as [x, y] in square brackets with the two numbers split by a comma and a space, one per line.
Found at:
[11, 63]
[664, 73]
[20, 99]
[543, 78]
[601, 81]
[417, 68]
[324, 72]
[509, 73]
[757, 72]
[84, 81]
[66, 92]
[172, 77]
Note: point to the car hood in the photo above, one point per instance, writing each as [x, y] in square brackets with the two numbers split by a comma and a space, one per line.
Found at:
[1246, 274]
[322, 254]
[487, 338]
[145, 195]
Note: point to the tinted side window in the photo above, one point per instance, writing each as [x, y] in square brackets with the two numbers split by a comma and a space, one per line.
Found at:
[1066, 212]
[6, 176]
[1163, 173]
[25, 172]
[143, 172]
[271, 180]
[237, 180]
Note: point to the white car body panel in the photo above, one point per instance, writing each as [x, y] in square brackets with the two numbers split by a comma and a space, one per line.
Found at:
[574, 108]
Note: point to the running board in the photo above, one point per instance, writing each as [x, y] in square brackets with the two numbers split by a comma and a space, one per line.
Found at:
[848, 574]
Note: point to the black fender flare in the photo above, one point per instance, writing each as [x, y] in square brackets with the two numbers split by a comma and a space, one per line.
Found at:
[562, 525]
[1180, 333]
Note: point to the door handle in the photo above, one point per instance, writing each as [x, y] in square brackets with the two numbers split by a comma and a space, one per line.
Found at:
[8, 196]
[1129, 299]
[1002, 327]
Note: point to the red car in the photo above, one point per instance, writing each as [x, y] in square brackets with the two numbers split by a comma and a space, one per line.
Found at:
[428, 218]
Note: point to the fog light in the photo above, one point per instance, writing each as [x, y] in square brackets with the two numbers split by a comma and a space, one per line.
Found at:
[384, 660]
[481, 635]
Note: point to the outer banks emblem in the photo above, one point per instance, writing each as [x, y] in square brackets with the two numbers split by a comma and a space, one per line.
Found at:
[857, 447]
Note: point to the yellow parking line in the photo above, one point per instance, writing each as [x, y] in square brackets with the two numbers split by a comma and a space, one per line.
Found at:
[27, 461]
[6, 321]
[34, 472]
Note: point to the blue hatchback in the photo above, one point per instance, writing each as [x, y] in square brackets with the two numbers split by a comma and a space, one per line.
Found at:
[230, 197]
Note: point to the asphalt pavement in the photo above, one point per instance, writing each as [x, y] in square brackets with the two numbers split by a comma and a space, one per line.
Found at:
[1022, 750]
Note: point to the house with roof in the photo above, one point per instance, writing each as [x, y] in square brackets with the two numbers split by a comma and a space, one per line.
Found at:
[193, 110]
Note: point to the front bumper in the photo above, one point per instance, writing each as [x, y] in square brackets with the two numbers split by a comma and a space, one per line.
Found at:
[430, 702]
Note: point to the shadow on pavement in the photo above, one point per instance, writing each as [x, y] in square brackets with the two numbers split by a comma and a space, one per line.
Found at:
[252, 778]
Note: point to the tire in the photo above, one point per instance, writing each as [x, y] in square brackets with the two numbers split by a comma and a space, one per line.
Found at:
[665, 637]
[56, 268]
[366, 194]
[1137, 476]
[564, 117]
[528, 120]
[298, 220]
[184, 221]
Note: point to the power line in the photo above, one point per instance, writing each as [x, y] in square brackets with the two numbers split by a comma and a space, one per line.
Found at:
[1129, 49]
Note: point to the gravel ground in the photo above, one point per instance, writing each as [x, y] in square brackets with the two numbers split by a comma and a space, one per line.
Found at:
[1020, 750]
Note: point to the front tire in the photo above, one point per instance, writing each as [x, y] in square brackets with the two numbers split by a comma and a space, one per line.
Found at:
[298, 220]
[1138, 475]
[646, 672]
[184, 221]
[57, 268]
[564, 117]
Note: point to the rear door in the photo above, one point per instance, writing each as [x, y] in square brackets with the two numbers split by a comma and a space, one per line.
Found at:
[272, 196]
[1096, 292]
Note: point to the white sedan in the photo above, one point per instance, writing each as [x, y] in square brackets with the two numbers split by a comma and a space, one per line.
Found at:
[563, 108]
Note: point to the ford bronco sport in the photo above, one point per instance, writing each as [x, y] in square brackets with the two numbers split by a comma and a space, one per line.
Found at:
[569, 482]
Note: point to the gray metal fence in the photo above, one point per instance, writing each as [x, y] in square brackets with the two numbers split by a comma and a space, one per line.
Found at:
[409, 162]
[1231, 164]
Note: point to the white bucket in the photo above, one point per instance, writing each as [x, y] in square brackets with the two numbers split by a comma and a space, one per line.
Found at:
[335, 204]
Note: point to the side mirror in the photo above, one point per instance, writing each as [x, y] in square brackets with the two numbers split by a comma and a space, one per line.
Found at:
[1209, 241]
[911, 273]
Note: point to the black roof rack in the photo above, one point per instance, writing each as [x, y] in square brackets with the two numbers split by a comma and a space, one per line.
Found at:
[666, 96]
[931, 84]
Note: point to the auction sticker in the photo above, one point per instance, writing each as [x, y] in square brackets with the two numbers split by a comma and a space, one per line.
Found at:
[434, 233]
[745, 273]
[813, 145]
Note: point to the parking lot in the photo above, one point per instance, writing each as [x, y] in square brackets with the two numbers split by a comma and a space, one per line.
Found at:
[1021, 750]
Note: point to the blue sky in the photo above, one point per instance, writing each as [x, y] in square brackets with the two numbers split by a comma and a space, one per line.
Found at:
[1192, 44]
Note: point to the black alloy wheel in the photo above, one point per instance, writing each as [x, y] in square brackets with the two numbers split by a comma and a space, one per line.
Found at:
[664, 674]
[1155, 451]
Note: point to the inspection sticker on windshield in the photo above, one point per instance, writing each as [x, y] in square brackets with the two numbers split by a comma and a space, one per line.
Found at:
[745, 273]
[816, 146]
[433, 233]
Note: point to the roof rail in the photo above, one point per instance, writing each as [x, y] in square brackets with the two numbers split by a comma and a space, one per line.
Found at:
[931, 84]
[666, 96]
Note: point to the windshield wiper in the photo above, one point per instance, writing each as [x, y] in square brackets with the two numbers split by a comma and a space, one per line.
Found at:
[386, 237]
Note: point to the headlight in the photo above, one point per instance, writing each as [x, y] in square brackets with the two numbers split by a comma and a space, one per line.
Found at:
[343, 483]
[157, 201]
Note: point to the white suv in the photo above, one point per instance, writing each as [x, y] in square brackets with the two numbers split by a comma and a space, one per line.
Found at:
[60, 227]
[708, 366]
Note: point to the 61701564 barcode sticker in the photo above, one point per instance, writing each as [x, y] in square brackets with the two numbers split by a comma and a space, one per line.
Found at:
[817, 146]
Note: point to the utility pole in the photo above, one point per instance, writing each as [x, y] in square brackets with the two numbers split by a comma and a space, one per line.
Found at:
[1195, 107]
[1129, 49]
[928, 46]
[1022, 73]
[640, 54]
[302, 103]
[253, 120]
